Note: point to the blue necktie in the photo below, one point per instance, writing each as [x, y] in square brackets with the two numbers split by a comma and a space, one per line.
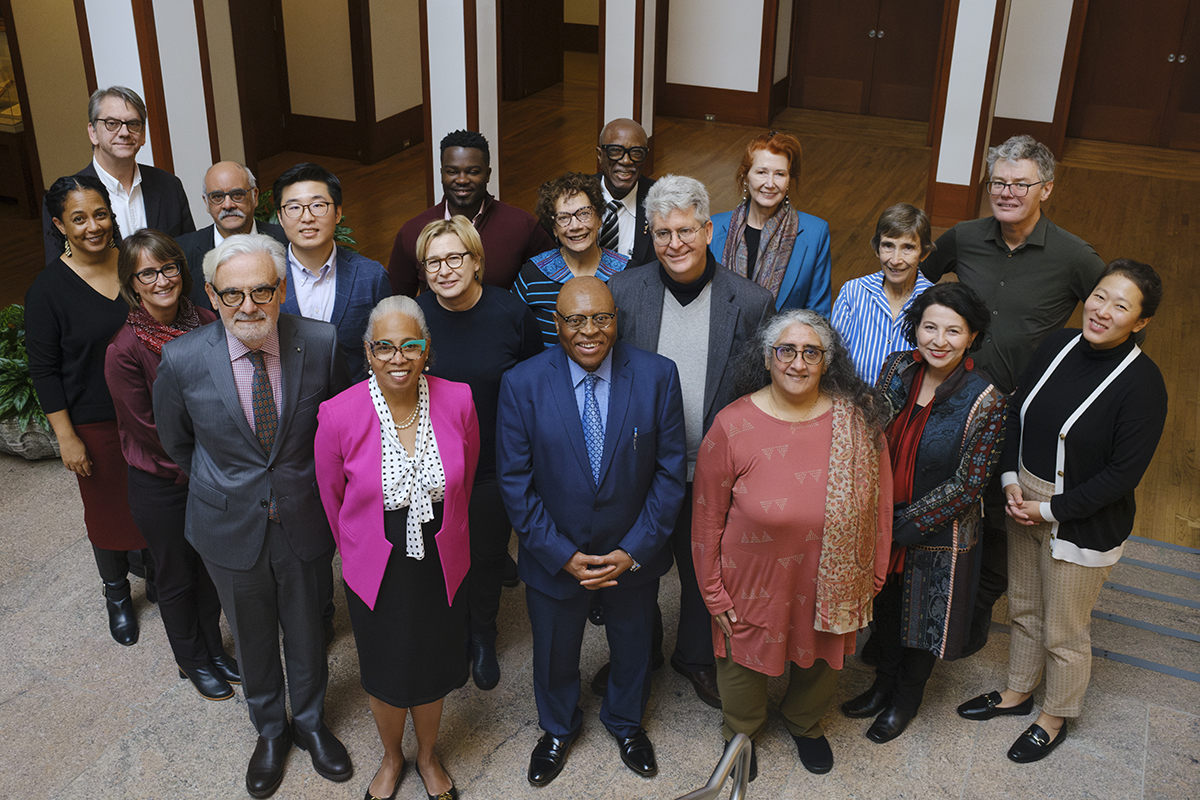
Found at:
[593, 429]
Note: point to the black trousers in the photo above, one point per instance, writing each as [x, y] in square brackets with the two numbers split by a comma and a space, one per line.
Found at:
[490, 532]
[694, 638]
[902, 671]
[993, 574]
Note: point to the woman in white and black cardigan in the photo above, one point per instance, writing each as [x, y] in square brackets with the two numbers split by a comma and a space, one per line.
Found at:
[1083, 425]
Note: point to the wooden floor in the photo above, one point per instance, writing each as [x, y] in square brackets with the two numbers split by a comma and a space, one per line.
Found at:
[1127, 201]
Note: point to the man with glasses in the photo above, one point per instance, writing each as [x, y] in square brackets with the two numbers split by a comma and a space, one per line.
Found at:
[236, 407]
[687, 307]
[590, 459]
[230, 195]
[621, 151]
[1031, 274]
[141, 196]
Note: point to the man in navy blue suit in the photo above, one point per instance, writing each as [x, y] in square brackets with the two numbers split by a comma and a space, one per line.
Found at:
[592, 474]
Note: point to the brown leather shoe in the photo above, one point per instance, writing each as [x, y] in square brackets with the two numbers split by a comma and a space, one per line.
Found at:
[704, 682]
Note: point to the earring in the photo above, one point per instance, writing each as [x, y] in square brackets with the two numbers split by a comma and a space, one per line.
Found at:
[67, 248]
[112, 243]
[745, 191]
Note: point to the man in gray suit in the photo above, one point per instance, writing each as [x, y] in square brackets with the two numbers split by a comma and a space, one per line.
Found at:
[689, 308]
[236, 408]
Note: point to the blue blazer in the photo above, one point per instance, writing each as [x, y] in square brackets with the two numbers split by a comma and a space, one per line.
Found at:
[361, 284]
[545, 477]
[806, 283]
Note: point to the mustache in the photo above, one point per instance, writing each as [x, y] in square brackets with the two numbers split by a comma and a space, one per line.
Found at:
[241, 316]
[230, 212]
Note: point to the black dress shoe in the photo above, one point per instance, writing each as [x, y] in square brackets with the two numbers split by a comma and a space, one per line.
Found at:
[890, 723]
[508, 576]
[704, 682]
[815, 754]
[987, 706]
[1035, 744]
[329, 756]
[122, 621]
[485, 670]
[638, 753]
[265, 772]
[548, 758]
[867, 704]
[449, 794]
[227, 667]
[208, 683]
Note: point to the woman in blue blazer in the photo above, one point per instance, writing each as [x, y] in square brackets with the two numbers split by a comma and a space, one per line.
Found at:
[768, 241]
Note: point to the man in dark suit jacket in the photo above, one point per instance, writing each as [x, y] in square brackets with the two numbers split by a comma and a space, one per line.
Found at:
[236, 408]
[622, 150]
[591, 472]
[141, 196]
[702, 316]
[230, 195]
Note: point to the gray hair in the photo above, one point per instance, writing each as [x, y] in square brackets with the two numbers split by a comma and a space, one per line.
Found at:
[396, 304]
[774, 327]
[245, 244]
[249, 177]
[677, 193]
[123, 92]
[1020, 148]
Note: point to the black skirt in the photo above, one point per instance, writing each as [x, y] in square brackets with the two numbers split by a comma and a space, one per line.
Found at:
[412, 648]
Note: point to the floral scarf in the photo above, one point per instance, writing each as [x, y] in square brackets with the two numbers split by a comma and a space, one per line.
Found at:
[775, 248]
[153, 334]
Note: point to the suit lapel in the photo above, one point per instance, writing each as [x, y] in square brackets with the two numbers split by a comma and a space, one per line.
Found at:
[290, 304]
[649, 314]
[722, 323]
[291, 367]
[221, 370]
[618, 406]
[564, 398]
[344, 274]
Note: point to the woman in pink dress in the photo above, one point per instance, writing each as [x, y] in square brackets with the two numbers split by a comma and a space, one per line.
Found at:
[792, 530]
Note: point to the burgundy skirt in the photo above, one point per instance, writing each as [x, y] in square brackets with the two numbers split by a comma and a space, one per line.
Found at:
[105, 492]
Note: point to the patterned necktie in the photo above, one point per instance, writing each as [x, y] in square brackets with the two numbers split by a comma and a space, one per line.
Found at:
[593, 428]
[610, 231]
[266, 417]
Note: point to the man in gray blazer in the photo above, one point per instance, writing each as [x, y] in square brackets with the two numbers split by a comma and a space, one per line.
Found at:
[236, 408]
[689, 308]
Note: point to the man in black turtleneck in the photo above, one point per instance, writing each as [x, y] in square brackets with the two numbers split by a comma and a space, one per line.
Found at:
[689, 308]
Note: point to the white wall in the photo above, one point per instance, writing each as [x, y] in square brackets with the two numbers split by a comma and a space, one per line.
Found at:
[1034, 45]
[486, 22]
[320, 71]
[964, 96]
[396, 56]
[183, 88]
[224, 80]
[783, 38]
[715, 43]
[581, 12]
[619, 24]
[648, 71]
[116, 66]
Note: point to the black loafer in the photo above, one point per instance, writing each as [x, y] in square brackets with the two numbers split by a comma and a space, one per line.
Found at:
[987, 706]
[1035, 744]
[890, 723]
[548, 758]
[485, 670]
[395, 786]
[265, 772]
[449, 794]
[815, 754]
[867, 704]
[638, 753]
[704, 682]
[227, 667]
[208, 683]
[329, 756]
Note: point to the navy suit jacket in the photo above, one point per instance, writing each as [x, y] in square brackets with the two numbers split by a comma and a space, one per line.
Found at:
[167, 208]
[546, 480]
[643, 244]
[197, 243]
[361, 283]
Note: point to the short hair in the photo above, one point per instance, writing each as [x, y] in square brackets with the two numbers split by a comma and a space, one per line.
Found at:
[396, 304]
[1144, 277]
[1020, 148]
[461, 227]
[903, 220]
[249, 177]
[621, 121]
[781, 144]
[676, 192]
[161, 247]
[245, 244]
[307, 171]
[550, 192]
[959, 298]
[61, 189]
[471, 139]
[124, 93]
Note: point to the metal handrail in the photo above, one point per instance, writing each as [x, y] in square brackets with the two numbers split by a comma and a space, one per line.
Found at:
[734, 763]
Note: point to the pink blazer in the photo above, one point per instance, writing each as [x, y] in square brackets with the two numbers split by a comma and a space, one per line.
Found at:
[349, 458]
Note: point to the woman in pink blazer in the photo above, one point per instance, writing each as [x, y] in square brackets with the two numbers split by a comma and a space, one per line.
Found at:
[396, 458]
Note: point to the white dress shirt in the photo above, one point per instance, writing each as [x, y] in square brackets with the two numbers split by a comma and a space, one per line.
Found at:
[128, 207]
[626, 218]
[314, 291]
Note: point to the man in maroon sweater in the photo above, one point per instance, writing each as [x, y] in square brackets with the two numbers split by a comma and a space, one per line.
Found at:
[510, 236]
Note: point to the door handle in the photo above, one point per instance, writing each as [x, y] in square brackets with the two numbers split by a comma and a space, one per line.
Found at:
[871, 34]
[1171, 57]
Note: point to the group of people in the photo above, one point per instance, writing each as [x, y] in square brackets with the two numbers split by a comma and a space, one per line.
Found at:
[627, 381]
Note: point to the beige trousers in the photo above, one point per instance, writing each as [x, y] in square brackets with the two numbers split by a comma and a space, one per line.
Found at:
[744, 697]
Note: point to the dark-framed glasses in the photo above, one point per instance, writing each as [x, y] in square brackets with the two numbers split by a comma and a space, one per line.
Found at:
[385, 350]
[318, 208]
[217, 197]
[686, 235]
[615, 152]
[451, 260]
[150, 276]
[259, 295]
[996, 188]
[584, 214]
[786, 354]
[577, 322]
[113, 125]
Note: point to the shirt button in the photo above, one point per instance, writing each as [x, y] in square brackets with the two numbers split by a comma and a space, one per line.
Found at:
[1001, 283]
[994, 313]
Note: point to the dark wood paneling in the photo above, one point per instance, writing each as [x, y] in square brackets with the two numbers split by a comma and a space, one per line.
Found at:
[833, 56]
[322, 136]
[906, 51]
[426, 100]
[389, 136]
[85, 45]
[1181, 123]
[954, 204]
[531, 50]
[471, 45]
[26, 177]
[694, 102]
[210, 105]
[779, 97]
[260, 63]
[362, 71]
[1066, 80]
[639, 60]
[1004, 128]
[152, 85]
[600, 71]
[580, 38]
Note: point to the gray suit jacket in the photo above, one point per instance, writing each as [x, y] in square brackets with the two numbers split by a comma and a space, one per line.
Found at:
[205, 432]
[738, 308]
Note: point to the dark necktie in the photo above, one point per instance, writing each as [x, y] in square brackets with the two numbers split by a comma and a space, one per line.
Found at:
[593, 428]
[610, 231]
[266, 417]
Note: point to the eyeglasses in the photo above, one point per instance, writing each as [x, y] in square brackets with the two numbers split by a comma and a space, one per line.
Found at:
[236, 195]
[113, 125]
[576, 322]
[385, 350]
[259, 295]
[996, 188]
[318, 209]
[452, 260]
[585, 215]
[686, 236]
[615, 152]
[150, 276]
[786, 354]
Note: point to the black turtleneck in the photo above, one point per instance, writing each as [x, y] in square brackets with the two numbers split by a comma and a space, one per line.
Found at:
[687, 292]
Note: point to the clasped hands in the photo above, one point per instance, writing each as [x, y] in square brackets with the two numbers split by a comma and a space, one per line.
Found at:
[598, 572]
[1025, 512]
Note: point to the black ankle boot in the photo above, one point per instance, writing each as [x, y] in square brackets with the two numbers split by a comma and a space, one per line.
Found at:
[122, 622]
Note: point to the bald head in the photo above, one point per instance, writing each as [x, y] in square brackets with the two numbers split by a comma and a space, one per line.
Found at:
[621, 173]
[579, 302]
[224, 183]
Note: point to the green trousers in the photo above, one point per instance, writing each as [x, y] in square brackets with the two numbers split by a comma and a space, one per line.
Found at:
[744, 697]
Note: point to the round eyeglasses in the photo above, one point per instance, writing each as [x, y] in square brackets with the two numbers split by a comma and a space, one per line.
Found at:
[385, 350]
[150, 276]
[451, 260]
[259, 295]
[318, 209]
[786, 354]
[685, 235]
[585, 215]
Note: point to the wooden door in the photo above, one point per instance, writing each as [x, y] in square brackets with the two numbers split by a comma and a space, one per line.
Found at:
[260, 61]
[905, 66]
[1181, 123]
[531, 46]
[834, 53]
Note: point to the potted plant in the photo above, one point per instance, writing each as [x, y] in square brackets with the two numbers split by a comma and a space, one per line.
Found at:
[24, 429]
